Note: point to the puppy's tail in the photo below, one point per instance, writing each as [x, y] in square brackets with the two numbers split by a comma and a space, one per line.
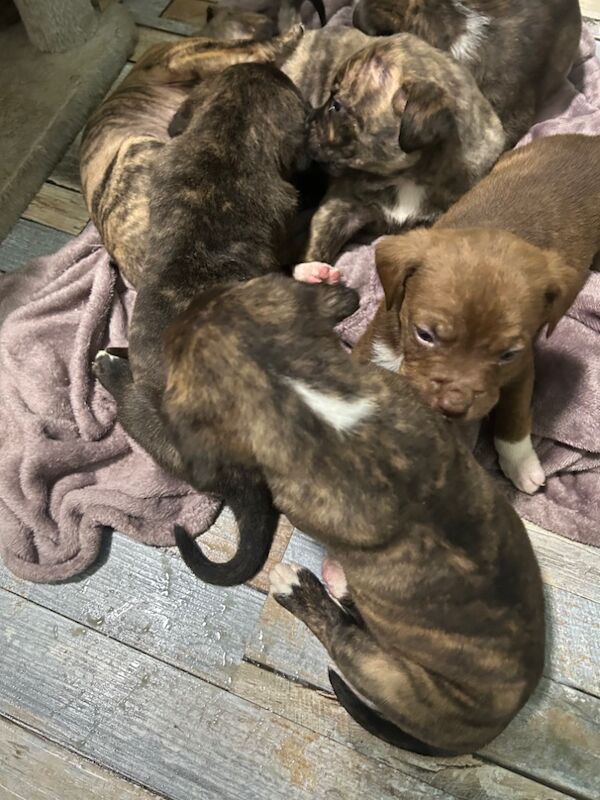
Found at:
[320, 9]
[257, 519]
[375, 724]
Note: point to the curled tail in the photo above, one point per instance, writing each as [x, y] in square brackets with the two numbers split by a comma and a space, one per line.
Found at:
[377, 725]
[257, 519]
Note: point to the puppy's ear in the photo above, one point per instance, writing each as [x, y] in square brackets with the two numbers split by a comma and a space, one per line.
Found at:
[181, 118]
[396, 260]
[561, 289]
[426, 113]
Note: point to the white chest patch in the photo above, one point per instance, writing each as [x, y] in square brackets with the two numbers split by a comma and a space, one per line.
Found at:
[384, 356]
[408, 204]
[341, 414]
[467, 44]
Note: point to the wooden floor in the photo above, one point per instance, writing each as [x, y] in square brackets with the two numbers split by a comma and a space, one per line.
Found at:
[137, 682]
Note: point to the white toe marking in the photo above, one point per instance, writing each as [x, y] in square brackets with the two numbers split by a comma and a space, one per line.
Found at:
[385, 356]
[338, 412]
[520, 464]
[283, 578]
[104, 354]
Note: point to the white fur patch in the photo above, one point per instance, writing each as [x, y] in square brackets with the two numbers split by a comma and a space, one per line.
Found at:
[520, 464]
[104, 354]
[467, 44]
[384, 356]
[283, 578]
[409, 202]
[341, 414]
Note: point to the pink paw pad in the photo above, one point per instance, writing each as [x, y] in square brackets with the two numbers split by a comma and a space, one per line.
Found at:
[334, 577]
[316, 272]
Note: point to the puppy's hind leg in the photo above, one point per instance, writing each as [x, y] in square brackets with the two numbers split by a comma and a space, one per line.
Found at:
[373, 672]
[335, 222]
[136, 412]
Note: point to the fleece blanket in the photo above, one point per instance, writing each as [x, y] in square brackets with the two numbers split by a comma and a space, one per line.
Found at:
[68, 471]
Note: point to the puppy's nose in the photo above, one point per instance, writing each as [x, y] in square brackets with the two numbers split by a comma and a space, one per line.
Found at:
[454, 403]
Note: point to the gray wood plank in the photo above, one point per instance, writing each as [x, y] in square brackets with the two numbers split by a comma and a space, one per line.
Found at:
[167, 730]
[147, 598]
[573, 630]
[29, 240]
[148, 12]
[32, 768]
[566, 564]
[66, 172]
[468, 777]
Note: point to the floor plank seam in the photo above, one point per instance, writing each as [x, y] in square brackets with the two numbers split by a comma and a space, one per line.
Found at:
[557, 787]
[68, 748]
[291, 678]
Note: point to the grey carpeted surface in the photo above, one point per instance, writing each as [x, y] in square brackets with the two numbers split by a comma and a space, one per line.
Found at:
[45, 99]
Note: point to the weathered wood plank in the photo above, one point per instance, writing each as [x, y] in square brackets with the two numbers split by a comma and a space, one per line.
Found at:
[147, 598]
[148, 13]
[32, 768]
[58, 208]
[29, 240]
[567, 564]
[66, 172]
[191, 11]
[167, 730]
[469, 777]
[590, 8]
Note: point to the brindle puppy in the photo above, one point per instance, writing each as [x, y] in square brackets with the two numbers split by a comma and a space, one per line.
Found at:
[402, 127]
[446, 640]
[124, 139]
[220, 208]
[518, 52]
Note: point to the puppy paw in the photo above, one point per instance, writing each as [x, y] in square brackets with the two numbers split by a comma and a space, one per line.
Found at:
[316, 272]
[335, 579]
[110, 369]
[283, 578]
[519, 462]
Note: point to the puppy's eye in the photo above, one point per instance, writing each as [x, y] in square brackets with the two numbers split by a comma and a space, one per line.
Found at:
[508, 355]
[424, 336]
[335, 105]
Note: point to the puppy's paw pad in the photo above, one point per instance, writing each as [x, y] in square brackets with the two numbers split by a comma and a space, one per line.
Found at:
[316, 272]
[521, 465]
[283, 578]
[334, 578]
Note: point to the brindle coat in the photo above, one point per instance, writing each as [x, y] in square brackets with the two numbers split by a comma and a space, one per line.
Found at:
[519, 52]
[220, 206]
[447, 635]
[401, 126]
[124, 139]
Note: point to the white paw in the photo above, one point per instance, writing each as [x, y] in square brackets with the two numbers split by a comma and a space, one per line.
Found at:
[520, 464]
[316, 272]
[103, 354]
[335, 578]
[284, 577]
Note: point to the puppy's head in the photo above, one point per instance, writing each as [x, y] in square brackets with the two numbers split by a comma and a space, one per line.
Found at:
[469, 304]
[390, 103]
[230, 356]
[264, 104]
[234, 23]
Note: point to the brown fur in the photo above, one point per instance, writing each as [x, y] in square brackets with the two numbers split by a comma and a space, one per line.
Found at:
[123, 139]
[446, 636]
[506, 260]
[518, 52]
[401, 127]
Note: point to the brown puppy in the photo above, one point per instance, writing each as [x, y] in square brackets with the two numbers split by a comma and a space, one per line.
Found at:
[124, 139]
[220, 207]
[465, 300]
[518, 52]
[402, 128]
[446, 636]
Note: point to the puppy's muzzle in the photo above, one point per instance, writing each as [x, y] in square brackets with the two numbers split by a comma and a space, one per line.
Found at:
[454, 402]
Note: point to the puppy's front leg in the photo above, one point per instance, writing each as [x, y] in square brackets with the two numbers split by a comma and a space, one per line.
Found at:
[336, 221]
[512, 434]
